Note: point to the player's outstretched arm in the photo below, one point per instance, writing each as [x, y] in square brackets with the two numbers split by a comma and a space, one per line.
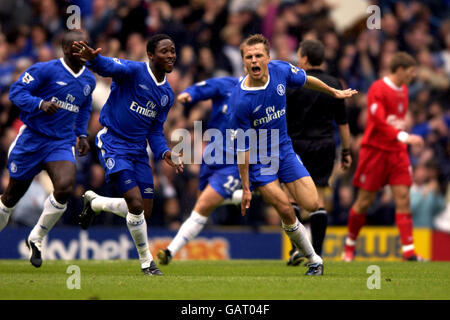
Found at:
[314, 83]
[104, 66]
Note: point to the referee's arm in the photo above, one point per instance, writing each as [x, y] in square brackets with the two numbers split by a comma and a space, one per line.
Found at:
[314, 83]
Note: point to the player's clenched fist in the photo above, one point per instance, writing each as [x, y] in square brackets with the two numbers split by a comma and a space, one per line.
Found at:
[49, 107]
[184, 97]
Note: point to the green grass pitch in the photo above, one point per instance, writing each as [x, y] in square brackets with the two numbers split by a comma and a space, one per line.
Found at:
[223, 280]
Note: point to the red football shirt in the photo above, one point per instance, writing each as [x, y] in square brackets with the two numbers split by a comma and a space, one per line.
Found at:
[387, 105]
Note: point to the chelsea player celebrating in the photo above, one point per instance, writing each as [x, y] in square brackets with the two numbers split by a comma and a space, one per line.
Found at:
[219, 183]
[258, 104]
[135, 112]
[54, 99]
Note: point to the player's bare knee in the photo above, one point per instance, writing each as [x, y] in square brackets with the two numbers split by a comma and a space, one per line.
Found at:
[135, 206]
[9, 200]
[361, 206]
[402, 204]
[62, 193]
[286, 212]
[311, 206]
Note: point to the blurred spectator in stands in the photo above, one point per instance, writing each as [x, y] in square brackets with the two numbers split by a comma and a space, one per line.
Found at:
[383, 210]
[429, 74]
[6, 65]
[229, 60]
[133, 16]
[14, 12]
[100, 22]
[18, 44]
[426, 198]
[205, 64]
[39, 40]
[283, 48]
[50, 17]
[342, 202]
[136, 47]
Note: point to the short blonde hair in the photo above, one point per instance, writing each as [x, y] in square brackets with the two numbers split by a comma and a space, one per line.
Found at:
[255, 39]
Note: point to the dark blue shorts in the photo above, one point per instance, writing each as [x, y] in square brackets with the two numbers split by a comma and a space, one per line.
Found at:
[31, 150]
[287, 167]
[117, 155]
[223, 179]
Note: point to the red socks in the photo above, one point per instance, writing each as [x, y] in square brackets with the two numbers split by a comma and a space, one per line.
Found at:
[355, 222]
[405, 227]
[403, 221]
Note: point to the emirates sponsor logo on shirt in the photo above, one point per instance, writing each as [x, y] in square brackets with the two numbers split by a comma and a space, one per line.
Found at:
[68, 104]
[147, 112]
[271, 114]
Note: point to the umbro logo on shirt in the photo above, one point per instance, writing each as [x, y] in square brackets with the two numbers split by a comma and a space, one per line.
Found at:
[143, 86]
[148, 190]
[257, 108]
[61, 83]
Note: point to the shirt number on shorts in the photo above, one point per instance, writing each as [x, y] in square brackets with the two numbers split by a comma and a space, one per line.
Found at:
[231, 184]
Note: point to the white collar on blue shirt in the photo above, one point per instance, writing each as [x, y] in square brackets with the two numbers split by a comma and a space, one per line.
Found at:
[76, 75]
[153, 76]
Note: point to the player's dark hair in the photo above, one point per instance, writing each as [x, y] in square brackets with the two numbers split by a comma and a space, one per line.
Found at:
[255, 39]
[401, 60]
[313, 50]
[70, 36]
[154, 40]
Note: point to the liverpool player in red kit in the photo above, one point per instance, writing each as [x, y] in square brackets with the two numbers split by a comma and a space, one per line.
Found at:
[383, 158]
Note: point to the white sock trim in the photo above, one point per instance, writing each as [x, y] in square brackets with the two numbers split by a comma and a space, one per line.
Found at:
[134, 219]
[318, 212]
[55, 203]
[408, 247]
[197, 217]
[5, 209]
[350, 242]
[291, 227]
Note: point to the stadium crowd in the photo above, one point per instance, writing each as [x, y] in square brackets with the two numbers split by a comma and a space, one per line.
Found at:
[207, 34]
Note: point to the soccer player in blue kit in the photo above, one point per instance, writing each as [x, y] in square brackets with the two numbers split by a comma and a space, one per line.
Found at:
[54, 99]
[134, 113]
[258, 105]
[219, 183]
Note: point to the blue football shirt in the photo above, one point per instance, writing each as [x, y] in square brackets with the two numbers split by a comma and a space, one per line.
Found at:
[137, 105]
[54, 81]
[263, 109]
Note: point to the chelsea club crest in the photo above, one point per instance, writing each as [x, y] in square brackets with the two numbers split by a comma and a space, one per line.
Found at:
[87, 90]
[164, 100]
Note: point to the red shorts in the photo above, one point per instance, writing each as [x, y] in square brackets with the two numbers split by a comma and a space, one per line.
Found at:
[377, 168]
